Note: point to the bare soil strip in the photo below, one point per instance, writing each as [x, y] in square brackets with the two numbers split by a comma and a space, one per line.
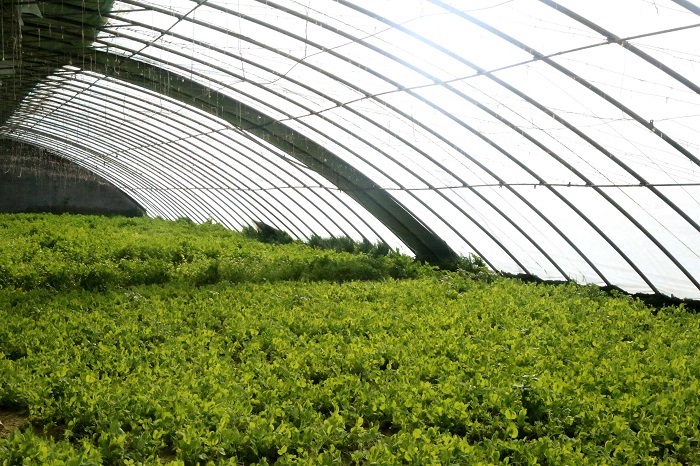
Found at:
[10, 421]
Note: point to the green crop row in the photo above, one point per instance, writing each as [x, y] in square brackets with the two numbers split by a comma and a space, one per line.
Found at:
[407, 372]
[436, 370]
[81, 252]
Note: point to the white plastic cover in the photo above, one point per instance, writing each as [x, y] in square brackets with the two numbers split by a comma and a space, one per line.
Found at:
[560, 139]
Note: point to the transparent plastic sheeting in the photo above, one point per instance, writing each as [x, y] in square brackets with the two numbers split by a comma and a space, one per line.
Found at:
[176, 161]
[554, 139]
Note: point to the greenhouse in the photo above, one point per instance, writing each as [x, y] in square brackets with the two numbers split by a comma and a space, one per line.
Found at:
[554, 139]
[349, 232]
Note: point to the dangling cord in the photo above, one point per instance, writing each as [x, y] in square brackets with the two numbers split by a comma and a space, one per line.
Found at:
[2, 30]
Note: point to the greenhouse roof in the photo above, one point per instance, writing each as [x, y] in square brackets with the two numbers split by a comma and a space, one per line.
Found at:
[556, 139]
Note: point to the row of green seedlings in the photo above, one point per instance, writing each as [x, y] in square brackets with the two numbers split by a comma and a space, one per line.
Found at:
[268, 234]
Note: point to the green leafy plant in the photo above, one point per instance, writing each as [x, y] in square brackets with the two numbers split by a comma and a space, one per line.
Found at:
[267, 234]
[250, 366]
[101, 253]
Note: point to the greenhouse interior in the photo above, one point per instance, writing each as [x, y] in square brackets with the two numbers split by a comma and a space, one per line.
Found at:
[552, 139]
[350, 232]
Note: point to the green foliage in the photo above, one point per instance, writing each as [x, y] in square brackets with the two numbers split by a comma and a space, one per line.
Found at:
[79, 252]
[345, 244]
[437, 369]
[29, 448]
[267, 234]
[430, 371]
[92, 12]
[474, 266]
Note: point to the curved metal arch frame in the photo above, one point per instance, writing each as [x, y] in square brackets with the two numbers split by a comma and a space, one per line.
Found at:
[432, 78]
[427, 156]
[462, 151]
[344, 176]
[535, 243]
[12, 129]
[135, 135]
[284, 170]
[339, 227]
[193, 205]
[600, 192]
[207, 176]
[188, 99]
[348, 208]
[479, 225]
[54, 144]
[620, 106]
[171, 204]
[576, 78]
[612, 38]
[548, 112]
[303, 192]
[688, 6]
[258, 126]
[112, 143]
[408, 144]
[650, 238]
